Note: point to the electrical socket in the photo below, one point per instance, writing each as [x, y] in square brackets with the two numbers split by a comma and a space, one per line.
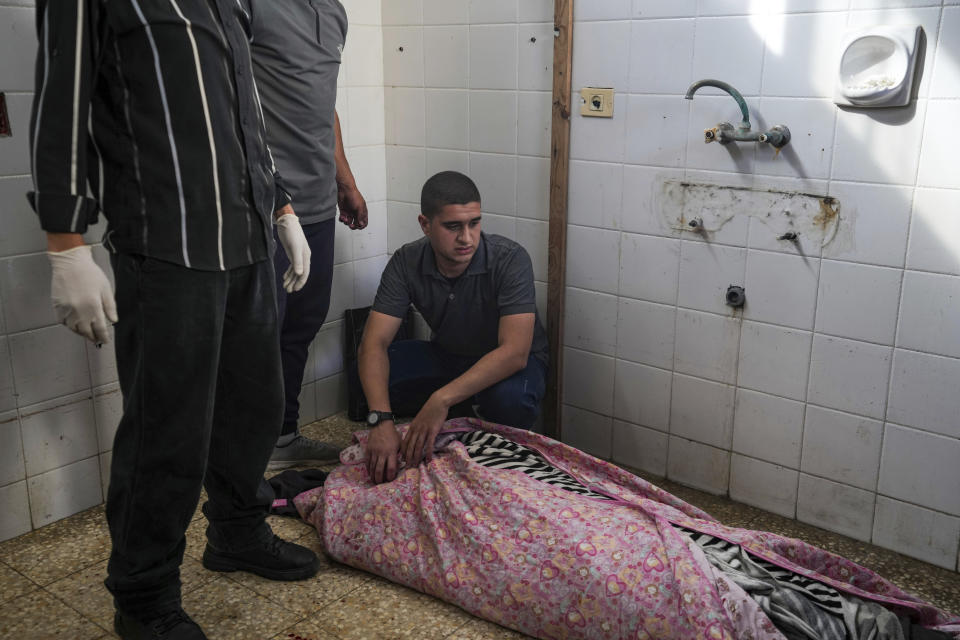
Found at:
[596, 102]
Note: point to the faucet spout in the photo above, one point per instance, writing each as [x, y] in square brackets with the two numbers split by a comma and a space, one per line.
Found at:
[719, 84]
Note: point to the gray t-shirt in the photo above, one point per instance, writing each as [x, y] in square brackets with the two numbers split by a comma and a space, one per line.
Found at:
[296, 47]
[463, 313]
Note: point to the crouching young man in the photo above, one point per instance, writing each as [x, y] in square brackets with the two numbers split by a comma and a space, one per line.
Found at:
[476, 293]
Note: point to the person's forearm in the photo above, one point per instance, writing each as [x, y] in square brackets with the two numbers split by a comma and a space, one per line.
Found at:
[499, 364]
[57, 242]
[345, 179]
[373, 364]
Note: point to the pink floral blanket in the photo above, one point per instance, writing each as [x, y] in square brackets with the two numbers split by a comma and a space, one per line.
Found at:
[554, 564]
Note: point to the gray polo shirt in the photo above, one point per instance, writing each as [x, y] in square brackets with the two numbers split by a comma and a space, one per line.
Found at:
[296, 47]
[463, 313]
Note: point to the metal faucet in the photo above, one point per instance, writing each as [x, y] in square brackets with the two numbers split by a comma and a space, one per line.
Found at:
[725, 133]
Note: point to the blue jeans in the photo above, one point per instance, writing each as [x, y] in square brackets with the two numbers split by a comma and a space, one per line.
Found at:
[418, 368]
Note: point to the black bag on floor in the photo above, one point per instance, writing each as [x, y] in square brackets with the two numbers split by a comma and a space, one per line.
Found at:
[354, 320]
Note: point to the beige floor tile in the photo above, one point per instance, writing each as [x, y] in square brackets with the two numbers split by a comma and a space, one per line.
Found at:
[13, 584]
[289, 528]
[40, 615]
[306, 597]
[228, 611]
[59, 549]
[337, 429]
[482, 630]
[304, 630]
[380, 610]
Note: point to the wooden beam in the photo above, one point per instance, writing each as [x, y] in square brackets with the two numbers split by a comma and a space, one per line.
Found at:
[559, 173]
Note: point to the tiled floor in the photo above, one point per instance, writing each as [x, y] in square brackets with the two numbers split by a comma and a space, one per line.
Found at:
[51, 582]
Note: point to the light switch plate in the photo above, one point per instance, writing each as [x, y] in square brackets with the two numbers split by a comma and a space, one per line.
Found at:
[597, 102]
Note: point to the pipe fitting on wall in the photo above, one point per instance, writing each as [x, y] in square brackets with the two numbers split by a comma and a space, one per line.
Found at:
[736, 296]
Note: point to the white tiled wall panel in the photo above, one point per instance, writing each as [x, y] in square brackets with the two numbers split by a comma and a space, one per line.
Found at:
[842, 447]
[835, 507]
[761, 484]
[915, 531]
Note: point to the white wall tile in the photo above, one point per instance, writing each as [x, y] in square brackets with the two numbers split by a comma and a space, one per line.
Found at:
[363, 54]
[446, 55]
[493, 11]
[640, 448]
[18, 42]
[921, 468]
[645, 332]
[702, 410]
[937, 157]
[781, 289]
[8, 394]
[443, 160]
[534, 113]
[505, 226]
[369, 167]
[930, 313]
[65, 491]
[11, 449]
[728, 48]
[342, 241]
[643, 188]
[16, 510]
[326, 350]
[881, 145]
[593, 259]
[533, 188]
[535, 11]
[607, 10]
[541, 290]
[841, 447]
[102, 361]
[406, 173]
[945, 82]
[331, 395]
[106, 460]
[811, 124]
[371, 241]
[588, 431]
[496, 178]
[48, 363]
[849, 376]
[653, 124]
[705, 273]
[642, 395]
[916, 532]
[594, 193]
[404, 108]
[25, 287]
[341, 292]
[108, 410]
[56, 434]
[664, 8]
[923, 392]
[873, 223]
[493, 57]
[588, 380]
[534, 236]
[446, 11]
[706, 345]
[600, 139]
[649, 267]
[774, 360]
[535, 55]
[493, 121]
[835, 507]
[308, 404]
[366, 116]
[698, 465]
[935, 232]
[402, 12]
[768, 428]
[603, 53]
[403, 68]
[661, 40]
[22, 233]
[590, 321]
[367, 272]
[15, 150]
[858, 301]
[798, 61]
[764, 485]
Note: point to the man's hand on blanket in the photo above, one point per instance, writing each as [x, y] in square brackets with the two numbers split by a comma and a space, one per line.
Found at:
[383, 444]
[418, 443]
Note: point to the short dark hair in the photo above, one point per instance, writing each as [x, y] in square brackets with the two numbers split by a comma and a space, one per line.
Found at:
[447, 187]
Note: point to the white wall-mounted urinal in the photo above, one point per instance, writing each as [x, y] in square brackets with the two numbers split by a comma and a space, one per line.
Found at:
[877, 66]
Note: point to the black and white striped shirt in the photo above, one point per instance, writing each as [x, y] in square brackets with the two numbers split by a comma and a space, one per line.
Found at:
[152, 103]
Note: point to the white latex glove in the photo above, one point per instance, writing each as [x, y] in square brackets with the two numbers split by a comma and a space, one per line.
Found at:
[298, 252]
[81, 294]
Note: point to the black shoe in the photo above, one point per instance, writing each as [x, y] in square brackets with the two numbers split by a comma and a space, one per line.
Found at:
[175, 625]
[275, 559]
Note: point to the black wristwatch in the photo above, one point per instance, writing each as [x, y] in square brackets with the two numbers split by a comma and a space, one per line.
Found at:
[376, 417]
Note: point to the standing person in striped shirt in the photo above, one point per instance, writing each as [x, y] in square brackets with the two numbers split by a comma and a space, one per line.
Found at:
[296, 47]
[153, 106]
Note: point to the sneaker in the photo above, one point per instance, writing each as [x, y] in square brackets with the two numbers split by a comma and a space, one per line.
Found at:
[303, 451]
[274, 559]
[175, 625]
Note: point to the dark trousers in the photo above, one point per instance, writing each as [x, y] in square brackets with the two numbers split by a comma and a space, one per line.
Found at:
[418, 368]
[302, 313]
[199, 368]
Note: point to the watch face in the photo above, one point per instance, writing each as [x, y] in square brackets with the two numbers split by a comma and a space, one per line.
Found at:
[373, 417]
